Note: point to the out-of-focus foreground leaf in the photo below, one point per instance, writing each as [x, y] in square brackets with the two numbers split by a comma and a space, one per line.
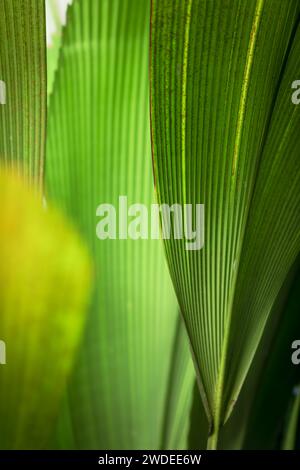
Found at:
[44, 287]
[99, 149]
[216, 67]
[23, 70]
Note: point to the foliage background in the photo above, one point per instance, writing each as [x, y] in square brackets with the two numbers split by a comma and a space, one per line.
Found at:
[137, 345]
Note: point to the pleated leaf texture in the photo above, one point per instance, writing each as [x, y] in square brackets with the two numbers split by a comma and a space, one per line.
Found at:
[226, 134]
[99, 149]
[23, 86]
[45, 277]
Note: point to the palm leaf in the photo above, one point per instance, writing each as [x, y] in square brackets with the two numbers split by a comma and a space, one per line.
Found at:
[23, 69]
[272, 238]
[216, 67]
[99, 148]
[257, 419]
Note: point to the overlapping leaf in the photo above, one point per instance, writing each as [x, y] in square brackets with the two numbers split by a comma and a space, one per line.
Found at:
[216, 67]
[99, 149]
[272, 236]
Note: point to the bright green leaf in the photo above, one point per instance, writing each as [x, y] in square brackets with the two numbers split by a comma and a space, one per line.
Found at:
[98, 150]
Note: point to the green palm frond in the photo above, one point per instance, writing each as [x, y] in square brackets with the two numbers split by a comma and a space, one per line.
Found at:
[23, 70]
[225, 135]
[99, 149]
